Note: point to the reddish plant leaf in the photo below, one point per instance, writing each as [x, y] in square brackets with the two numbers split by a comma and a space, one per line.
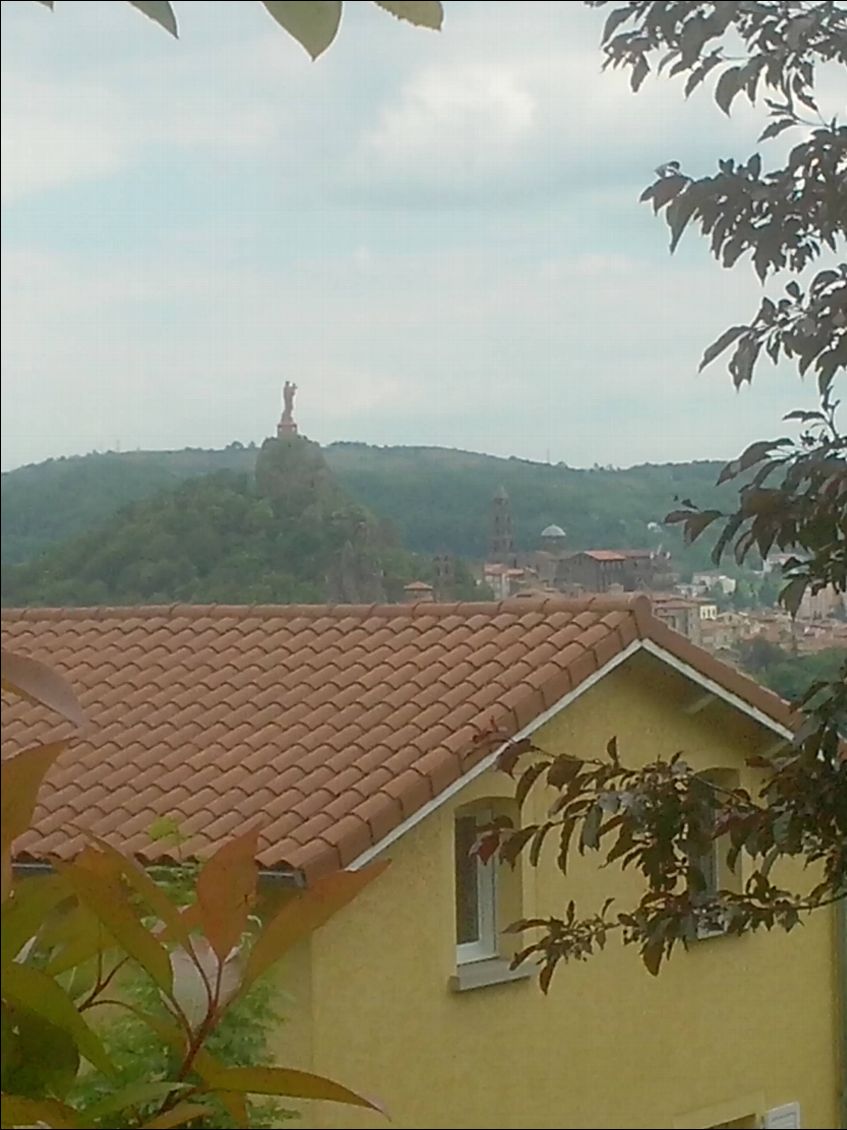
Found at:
[20, 780]
[96, 881]
[286, 1082]
[226, 888]
[36, 682]
[304, 913]
[32, 989]
[178, 928]
[17, 1110]
[179, 1115]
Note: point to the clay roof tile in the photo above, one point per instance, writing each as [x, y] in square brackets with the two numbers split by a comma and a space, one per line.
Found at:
[331, 725]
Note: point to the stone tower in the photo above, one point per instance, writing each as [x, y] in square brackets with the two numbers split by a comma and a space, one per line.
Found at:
[502, 544]
[444, 575]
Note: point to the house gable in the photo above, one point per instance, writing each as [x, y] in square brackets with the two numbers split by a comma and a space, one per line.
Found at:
[333, 727]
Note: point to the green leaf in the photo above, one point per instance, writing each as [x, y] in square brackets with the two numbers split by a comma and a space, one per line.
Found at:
[136, 1094]
[756, 452]
[651, 955]
[47, 1059]
[421, 13]
[19, 1111]
[226, 888]
[513, 846]
[639, 73]
[718, 346]
[665, 189]
[178, 928]
[23, 914]
[527, 779]
[36, 682]
[538, 842]
[286, 1082]
[695, 524]
[304, 913]
[313, 23]
[32, 989]
[178, 1116]
[678, 214]
[160, 11]
[20, 780]
[75, 939]
[728, 86]
[102, 891]
[589, 835]
[563, 770]
[614, 21]
[792, 594]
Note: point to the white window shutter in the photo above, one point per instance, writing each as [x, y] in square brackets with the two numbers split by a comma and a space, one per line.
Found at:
[783, 1117]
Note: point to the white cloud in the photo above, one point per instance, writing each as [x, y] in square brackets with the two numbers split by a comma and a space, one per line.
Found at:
[454, 123]
[57, 134]
[436, 236]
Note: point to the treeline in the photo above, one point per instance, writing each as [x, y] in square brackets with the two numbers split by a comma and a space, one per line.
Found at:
[436, 500]
[788, 674]
[288, 534]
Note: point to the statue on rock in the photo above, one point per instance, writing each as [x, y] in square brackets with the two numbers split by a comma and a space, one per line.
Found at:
[286, 425]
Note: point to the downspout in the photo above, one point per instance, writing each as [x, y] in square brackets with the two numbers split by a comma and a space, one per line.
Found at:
[841, 960]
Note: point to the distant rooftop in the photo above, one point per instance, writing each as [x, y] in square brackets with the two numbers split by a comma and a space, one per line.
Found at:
[604, 555]
[553, 531]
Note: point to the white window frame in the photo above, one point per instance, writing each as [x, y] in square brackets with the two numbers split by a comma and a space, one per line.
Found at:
[486, 893]
[783, 1117]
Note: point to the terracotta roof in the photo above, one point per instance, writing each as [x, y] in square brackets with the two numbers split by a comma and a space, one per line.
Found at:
[417, 586]
[603, 555]
[331, 724]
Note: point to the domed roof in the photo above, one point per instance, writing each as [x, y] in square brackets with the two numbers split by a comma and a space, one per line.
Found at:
[553, 532]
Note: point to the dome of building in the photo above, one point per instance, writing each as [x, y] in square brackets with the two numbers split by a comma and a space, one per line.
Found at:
[553, 532]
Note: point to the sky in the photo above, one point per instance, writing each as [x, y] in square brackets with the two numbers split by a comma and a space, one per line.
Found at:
[436, 235]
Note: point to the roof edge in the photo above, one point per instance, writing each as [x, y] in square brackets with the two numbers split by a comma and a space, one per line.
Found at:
[653, 630]
[515, 604]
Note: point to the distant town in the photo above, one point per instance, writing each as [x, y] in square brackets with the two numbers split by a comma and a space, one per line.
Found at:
[700, 609]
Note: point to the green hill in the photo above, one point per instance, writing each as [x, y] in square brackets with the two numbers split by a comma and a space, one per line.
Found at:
[44, 503]
[289, 533]
[436, 499]
[440, 499]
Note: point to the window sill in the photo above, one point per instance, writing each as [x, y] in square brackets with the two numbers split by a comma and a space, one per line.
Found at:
[490, 971]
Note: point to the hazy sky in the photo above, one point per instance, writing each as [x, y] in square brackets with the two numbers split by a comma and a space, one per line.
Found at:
[436, 235]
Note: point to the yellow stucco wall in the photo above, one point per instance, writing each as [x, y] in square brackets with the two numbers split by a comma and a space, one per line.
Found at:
[731, 1028]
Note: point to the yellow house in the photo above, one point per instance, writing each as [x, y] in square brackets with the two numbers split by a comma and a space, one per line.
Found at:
[358, 734]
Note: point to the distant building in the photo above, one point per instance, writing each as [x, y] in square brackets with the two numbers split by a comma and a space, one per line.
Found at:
[591, 570]
[677, 612]
[553, 539]
[502, 539]
[444, 575]
[822, 605]
[708, 608]
[711, 580]
[418, 592]
[505, 580]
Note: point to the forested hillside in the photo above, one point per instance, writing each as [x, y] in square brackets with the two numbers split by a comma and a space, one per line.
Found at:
[437, 499]
[289, 533]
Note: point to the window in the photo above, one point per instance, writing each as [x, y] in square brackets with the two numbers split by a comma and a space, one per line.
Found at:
[783, 1117]
[476, 892]
[713, 871]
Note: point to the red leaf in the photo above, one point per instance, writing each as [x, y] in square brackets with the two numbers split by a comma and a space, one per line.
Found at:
[225, 891]
[36, 682]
